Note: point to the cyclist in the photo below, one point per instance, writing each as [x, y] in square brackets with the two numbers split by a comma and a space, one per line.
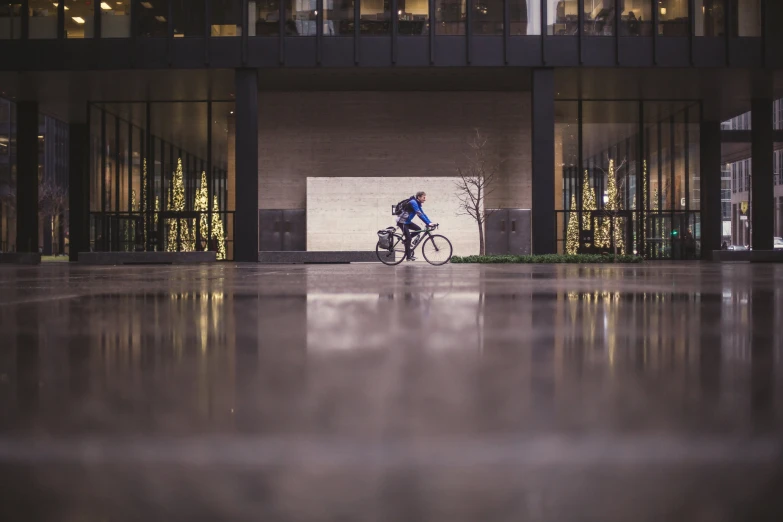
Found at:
[405, 221]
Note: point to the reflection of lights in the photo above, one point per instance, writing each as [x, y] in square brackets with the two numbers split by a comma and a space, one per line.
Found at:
[78, 19]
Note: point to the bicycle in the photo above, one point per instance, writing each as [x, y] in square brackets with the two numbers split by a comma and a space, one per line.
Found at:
[436, 248]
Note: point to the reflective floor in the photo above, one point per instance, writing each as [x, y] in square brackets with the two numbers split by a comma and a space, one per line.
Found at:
[369, 393]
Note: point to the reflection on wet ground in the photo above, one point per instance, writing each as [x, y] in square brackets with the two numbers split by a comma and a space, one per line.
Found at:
[360, 392]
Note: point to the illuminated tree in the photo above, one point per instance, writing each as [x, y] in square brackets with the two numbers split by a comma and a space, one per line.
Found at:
[202, 205]
[572, 234]
[218, 234]
[145, 199]
[614, 205]
[177, 204]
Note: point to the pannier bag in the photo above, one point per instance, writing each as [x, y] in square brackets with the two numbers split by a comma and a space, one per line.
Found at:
[385, 237]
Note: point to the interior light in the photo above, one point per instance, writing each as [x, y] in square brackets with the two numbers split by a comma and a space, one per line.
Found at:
[57, 5]
[316, 13]
[232, 112]
[146, 5]
[160, 18]
[399, 12]
[78, 19]
[663, 10]
[105, 6]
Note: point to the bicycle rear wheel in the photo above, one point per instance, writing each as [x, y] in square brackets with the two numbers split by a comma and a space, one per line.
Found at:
[392, 257]
[437, 250]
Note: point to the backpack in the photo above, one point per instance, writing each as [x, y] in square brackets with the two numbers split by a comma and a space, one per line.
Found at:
[402, 206]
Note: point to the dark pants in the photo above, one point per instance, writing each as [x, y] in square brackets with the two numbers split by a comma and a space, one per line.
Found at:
[406, 233]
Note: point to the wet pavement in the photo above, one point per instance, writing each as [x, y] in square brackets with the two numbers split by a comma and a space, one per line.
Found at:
[368, 393]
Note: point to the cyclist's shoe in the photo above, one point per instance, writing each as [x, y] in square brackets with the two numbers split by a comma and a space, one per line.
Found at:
[411, 258]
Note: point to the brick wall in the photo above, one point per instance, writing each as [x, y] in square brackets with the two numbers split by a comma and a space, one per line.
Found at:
[382, 134]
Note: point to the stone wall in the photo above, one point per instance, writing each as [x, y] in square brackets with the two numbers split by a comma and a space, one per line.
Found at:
[338, 220]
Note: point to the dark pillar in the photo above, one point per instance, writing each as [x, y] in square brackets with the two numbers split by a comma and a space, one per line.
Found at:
[762, 187]
[711, 220]
[246, 216]
[78, 189]
[543, 156]
[27, 176]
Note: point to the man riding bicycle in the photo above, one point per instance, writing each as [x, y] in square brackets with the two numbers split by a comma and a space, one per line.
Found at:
[405, 221]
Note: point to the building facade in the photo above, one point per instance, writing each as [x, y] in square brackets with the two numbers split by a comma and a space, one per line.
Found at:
[620, 124]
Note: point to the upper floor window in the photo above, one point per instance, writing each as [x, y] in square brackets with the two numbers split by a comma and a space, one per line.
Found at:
[414, 17]
[636, 18]
[153, 18]
[115, 18]
[226, 18]
[562, 17]
[43, 18]
[450, 17]
[487, 17]
[746, 17]
[599, 17]
[80, 18]
[10, 20]
[710, 18]
[264, 16]
[188, 17]
[673, 17]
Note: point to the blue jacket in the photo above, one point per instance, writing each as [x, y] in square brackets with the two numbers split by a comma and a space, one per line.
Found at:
[414, 210]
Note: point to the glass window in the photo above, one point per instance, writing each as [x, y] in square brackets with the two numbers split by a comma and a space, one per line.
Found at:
[636, 18]
[450, 17]
[599, 17]
[673, 17]
[109, 149]
[746, 17]
[188, 18]
[568, 179]
[264, 16]
[115, 19]
[300, 17]
[79, 19]
[487, 17]
[710, 18]
[152, 18]
[375, 17]
[226, 18]
[338, 16]
[414, 17]
[562, 17]
[10, 20]
[43, 18]
[524, 17]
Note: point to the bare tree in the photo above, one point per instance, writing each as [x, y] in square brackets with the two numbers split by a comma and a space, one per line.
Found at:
[475, 183]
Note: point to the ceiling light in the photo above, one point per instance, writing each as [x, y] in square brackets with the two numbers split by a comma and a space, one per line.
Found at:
[146, 5]
[57, 5]
[663, 10]
[105, 6]
[78, 19]
[160, 18]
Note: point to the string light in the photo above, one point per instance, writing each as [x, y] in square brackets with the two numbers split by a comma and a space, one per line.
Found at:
[217, 229]
[572, 234]
[177, 204]
[202, 205]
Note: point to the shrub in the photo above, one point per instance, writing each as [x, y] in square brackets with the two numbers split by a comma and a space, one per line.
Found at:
[548, 258]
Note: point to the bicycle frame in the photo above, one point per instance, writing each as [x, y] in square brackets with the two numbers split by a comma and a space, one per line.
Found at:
[399, 238]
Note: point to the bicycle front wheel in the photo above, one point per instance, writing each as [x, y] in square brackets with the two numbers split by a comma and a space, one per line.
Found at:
[392, 257]
[436, 250]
